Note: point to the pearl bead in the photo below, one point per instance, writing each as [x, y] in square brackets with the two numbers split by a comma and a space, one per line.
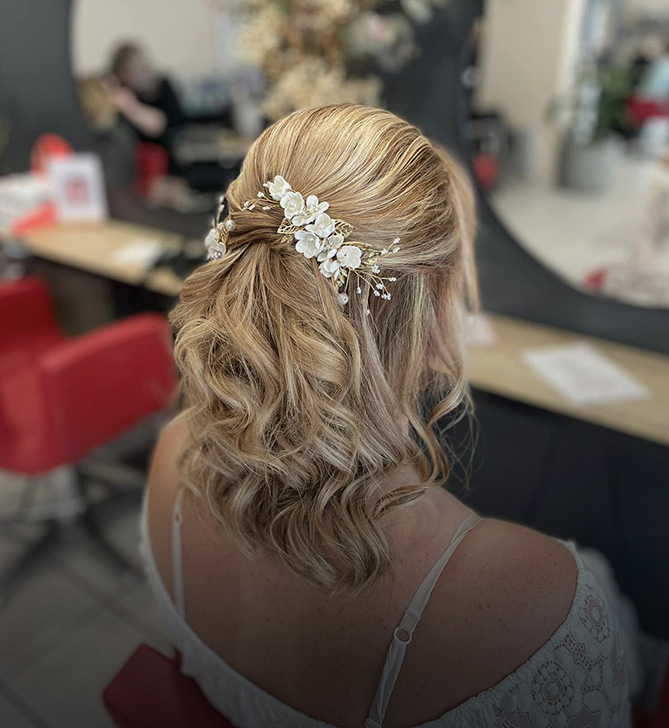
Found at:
[230, 224]
[216, 253]
[343, 298]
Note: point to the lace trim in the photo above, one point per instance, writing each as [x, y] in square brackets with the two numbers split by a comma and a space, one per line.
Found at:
[572, 682]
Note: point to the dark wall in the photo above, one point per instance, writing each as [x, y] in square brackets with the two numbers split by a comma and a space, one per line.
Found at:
[37, 90]
[574, 480]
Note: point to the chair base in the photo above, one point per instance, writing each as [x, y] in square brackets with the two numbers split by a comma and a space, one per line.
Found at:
[74, 512]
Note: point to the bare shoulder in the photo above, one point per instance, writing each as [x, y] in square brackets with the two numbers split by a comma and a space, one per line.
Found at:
[531, 562]
[517, 588]
[503, 594]
[539, 569]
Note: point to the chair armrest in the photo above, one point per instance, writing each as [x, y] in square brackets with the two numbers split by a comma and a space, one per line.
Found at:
[101, 384]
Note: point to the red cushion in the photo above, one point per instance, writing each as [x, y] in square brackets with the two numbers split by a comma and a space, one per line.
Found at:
[151, 161]
[82, 393]
[25, 446]
[151, 692]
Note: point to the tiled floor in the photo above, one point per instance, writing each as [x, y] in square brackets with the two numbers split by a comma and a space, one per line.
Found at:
[70, 627]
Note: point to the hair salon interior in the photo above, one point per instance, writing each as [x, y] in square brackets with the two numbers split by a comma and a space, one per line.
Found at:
[121, 125]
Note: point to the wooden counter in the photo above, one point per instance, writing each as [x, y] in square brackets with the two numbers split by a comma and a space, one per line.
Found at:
[499, 369]
[94, 248]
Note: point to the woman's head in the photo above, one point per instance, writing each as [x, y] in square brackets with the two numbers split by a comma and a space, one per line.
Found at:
[299, 407]
[132, 68]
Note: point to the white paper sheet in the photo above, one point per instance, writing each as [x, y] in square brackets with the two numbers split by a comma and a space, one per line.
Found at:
[583, 375]
[140, 251]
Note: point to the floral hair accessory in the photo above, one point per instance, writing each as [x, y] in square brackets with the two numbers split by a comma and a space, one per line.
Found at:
[317, 235]
[217, 238]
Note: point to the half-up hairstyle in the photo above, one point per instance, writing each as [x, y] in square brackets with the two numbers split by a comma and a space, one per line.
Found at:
[299, 407]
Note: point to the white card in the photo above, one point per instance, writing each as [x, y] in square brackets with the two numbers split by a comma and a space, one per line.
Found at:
[583, 375]
[140, 251]
[79, 190]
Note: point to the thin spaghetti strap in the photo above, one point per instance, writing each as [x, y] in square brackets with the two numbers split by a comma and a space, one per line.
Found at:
[404, 632]
[177, 555]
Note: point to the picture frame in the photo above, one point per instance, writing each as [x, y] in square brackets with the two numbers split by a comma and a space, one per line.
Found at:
[79, 189]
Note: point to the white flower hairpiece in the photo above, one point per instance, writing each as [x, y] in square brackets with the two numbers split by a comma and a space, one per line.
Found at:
[316, 235]
[217, 237]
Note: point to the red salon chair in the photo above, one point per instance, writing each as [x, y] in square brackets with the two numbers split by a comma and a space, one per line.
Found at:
[151, 692]
[61, 399]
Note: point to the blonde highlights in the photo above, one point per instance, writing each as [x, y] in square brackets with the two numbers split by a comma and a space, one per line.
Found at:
[298, 408]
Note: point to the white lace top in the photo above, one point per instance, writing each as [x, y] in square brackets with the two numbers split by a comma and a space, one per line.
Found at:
[575, 680]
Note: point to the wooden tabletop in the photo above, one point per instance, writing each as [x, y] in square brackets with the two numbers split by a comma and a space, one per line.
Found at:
[97, 248]
[500, 369]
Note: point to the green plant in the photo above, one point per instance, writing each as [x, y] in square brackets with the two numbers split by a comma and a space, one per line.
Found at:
[595, 109]
[615, 84]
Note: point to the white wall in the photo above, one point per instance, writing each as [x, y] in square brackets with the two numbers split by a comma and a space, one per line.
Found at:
[184, 37]
[528, 60]
[634, 7]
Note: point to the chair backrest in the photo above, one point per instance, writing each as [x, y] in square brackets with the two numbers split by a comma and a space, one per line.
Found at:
[150, 691]
[81, 393]
[103, 383]
[27, 317]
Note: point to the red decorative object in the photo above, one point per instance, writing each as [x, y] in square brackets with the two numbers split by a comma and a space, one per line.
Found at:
[486, 170]
[639, 110]
[151, 692]
[595, 280]
[151, 161]
[47, 147]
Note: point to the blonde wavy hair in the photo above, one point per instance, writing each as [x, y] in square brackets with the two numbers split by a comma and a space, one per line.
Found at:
[298, 408]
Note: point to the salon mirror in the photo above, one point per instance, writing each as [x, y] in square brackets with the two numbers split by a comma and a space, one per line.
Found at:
[569, 131]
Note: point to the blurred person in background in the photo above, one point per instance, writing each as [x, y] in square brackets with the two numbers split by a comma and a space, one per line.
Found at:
[145, 98]
[152, 116]
[655, 82]
[295, 528]
[649, 49]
